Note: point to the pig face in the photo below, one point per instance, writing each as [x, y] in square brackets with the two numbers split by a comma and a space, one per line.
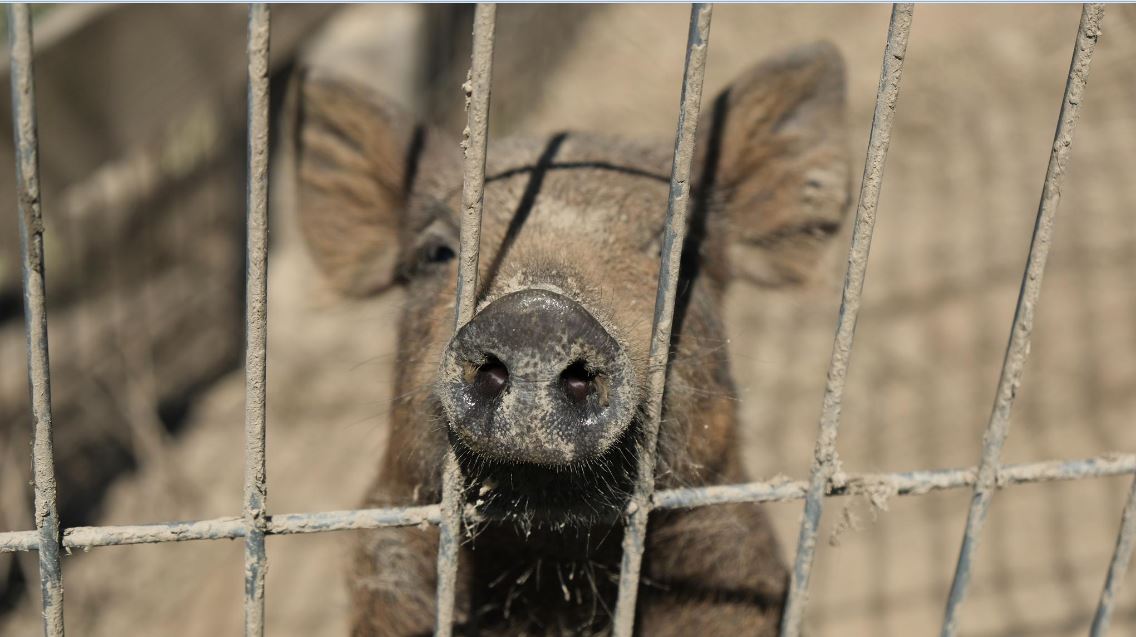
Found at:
[542, 393]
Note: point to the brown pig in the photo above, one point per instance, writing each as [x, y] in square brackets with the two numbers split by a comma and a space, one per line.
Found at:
[542, 393]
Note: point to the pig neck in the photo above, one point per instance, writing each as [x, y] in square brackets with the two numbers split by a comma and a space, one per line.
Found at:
[545, 576]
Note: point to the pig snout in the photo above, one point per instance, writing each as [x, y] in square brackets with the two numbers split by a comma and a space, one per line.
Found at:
[535, 378]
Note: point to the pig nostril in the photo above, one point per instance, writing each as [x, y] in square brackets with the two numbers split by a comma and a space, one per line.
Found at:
[491, 378]
[577, 382]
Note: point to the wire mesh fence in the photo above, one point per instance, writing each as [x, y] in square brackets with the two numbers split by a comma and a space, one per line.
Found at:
[826, 478]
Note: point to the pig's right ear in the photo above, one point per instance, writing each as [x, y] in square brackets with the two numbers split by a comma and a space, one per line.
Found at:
[359, 161]
[774, 169]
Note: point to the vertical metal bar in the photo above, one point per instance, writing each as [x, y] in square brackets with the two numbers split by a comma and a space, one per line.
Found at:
[449, 542]
[824, 459]
[1017, 350]
[35, 313]
[474, 145]
[1125, 540]
[256, 320]
[674, 234]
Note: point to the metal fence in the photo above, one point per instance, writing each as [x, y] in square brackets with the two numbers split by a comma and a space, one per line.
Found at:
[825, 480]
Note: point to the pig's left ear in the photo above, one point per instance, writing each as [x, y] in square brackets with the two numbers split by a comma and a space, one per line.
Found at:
[773, 166]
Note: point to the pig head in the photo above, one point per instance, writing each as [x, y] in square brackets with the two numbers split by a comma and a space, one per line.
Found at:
[542, 393]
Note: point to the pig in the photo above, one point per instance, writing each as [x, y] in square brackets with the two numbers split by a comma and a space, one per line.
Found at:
[542, 394]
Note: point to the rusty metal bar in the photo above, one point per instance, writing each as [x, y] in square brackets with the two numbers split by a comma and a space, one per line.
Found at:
[256, 320]
[35, 313]
[864, 484]
[1017, 350]
[674, 234]
[825, 462]
[474, 145]
[1121, 556]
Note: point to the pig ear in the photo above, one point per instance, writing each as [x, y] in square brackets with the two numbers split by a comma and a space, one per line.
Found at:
[358, 160]
[774, 167]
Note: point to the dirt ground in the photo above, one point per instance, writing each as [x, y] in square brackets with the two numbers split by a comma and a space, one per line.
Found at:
[979, 99]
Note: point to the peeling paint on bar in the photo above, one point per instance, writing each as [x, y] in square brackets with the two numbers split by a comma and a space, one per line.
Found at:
[475, 139]
[256, 320]
[825, 463]
[674, 233]
[1117, 567]
[1017, 351]
[35, 313]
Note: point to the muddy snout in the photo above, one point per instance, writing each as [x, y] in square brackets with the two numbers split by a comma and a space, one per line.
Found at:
[534, 378]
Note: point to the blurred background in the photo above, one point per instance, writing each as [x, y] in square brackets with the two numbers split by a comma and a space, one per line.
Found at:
[141, 112]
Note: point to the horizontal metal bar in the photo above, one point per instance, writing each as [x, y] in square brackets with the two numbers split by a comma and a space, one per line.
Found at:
[824, 463]
[908, 483]
[16, 541]
[1117, 567]
[232, 528]
[294, 523]
[1018, 347]
[84, 537]
[903, 484]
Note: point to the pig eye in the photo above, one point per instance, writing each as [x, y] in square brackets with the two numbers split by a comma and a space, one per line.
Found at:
[435, 246]
[431, 253]
[439, 254]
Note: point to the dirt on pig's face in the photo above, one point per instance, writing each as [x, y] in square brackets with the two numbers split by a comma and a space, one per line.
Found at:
[542, 394]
